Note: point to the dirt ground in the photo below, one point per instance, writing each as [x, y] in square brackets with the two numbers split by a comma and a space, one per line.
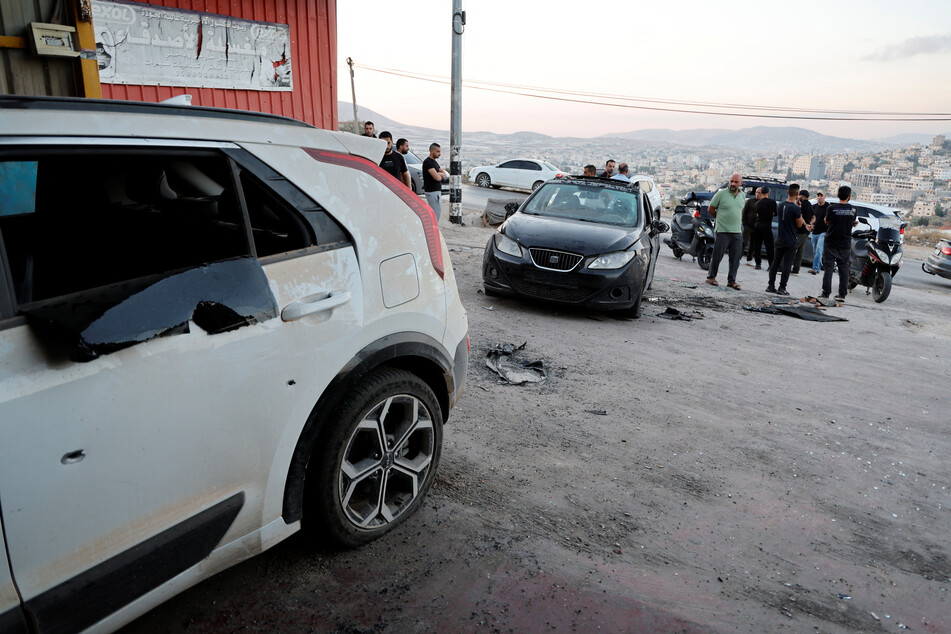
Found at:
[742, 472]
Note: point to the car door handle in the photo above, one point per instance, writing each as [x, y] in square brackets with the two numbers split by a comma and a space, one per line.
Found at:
[311, 304]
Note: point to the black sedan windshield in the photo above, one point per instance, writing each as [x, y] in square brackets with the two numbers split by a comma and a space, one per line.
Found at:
[589, 203]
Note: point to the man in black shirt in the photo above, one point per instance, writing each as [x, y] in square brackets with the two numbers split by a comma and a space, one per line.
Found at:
[818, 236]
[749, 221]
[790, 220]
[369, 129]
[763, 229]
[393, 162]
[433, 176]
[803, 231]
[840, 218]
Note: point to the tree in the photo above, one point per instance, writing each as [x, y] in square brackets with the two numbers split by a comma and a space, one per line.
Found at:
[940, 211]
[848, 167]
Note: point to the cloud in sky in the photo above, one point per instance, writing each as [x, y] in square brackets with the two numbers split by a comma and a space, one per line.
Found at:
[913, 46]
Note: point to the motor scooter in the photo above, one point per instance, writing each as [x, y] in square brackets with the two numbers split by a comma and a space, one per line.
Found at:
[691, 233]
[876, 257]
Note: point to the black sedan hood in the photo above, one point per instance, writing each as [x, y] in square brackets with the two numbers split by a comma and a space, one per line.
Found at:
[574, 236]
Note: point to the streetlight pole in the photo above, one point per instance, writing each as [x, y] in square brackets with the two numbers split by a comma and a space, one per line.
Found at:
[455, 123]
[353, 92]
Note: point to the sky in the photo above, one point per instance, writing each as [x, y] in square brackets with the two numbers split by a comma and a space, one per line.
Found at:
[812, 56]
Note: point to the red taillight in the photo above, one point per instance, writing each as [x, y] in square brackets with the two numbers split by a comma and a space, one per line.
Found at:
[946, 249]
[902, 230]
[696, 214]
[425, 214]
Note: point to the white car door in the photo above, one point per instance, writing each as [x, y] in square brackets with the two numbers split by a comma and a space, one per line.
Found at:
[147, 380]
[507, 174]
[529, 173]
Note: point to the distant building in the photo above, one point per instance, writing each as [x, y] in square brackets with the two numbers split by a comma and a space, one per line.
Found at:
[817, 170]
[802, 165]
[925, 206]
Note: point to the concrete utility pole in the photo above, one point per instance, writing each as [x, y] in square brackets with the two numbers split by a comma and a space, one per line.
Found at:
[455, 123]
[353, 92]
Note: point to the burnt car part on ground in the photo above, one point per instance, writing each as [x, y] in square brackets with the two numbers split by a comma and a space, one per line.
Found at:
[587, 242]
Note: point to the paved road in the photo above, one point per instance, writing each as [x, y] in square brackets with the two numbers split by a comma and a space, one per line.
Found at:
[474, 198]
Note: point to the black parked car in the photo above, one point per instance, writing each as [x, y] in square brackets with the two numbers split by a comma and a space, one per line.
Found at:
[582, 241]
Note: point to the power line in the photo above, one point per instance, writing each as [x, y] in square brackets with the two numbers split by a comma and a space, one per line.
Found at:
[754, 111]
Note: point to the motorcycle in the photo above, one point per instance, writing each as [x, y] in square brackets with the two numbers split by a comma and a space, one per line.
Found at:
[692, 234]
[876, 257]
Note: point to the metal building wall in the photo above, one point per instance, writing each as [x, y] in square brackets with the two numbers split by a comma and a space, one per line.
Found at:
[313, 32]
[22, 73]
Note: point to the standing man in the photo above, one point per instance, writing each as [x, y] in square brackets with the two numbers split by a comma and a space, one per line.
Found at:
[727, 207]
[590, 170]
[622, 173]
[433, 175]
[749, 221]
[393, 162]
[787, 240]
[840, 218]
[369, 129]
[609, 167]
[763, 229]
[802, 234]
[818, 235]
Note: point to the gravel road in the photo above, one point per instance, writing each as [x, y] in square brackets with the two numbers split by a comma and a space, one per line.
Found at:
[740, 472]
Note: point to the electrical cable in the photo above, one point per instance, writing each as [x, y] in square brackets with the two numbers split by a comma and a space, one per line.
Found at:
[574, 97]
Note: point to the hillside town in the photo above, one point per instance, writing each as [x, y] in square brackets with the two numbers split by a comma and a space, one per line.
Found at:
[916, 179]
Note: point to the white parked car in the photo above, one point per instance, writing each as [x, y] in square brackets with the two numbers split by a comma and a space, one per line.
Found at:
[520, 173]
[872, 212]
[216, 328]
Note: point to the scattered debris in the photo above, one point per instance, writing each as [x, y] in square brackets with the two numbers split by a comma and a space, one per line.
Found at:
[677, 315]
[500, 360]
[809, 313]
[597, 412]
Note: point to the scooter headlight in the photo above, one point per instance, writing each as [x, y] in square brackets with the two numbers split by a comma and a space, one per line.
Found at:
[896, 258]
[612, 260]
[877, 254]
[507, 245]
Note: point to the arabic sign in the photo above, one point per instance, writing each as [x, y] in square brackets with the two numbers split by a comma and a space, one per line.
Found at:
[154, 46]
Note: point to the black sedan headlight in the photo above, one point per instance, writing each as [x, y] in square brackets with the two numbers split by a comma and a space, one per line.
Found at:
[507, 245]
[608, 261]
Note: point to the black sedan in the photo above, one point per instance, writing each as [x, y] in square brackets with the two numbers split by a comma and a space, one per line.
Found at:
[939, 262]
[589, 242]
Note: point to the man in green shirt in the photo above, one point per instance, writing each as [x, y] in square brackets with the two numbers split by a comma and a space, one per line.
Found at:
[727, 207]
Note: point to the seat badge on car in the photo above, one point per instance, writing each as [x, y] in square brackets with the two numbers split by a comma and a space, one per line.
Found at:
[553, 259]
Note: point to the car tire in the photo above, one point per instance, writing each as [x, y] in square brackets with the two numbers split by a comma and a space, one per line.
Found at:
[483, 180]
[413, 186]
[376, 464]
[537, 184]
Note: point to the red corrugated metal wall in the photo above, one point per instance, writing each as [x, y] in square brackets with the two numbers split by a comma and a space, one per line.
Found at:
[313, 31]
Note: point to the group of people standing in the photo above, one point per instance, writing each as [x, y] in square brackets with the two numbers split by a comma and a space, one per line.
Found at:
[743, 223]
[611, 170]
[394, 163]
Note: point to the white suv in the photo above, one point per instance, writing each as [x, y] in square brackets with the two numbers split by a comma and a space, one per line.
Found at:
[216, 327]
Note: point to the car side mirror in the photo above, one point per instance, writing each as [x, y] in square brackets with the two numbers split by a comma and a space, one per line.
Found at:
[510, 208]
[659, 226]
[864, 221]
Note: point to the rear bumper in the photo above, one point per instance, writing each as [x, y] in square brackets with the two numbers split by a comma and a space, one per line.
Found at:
[938, 265]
